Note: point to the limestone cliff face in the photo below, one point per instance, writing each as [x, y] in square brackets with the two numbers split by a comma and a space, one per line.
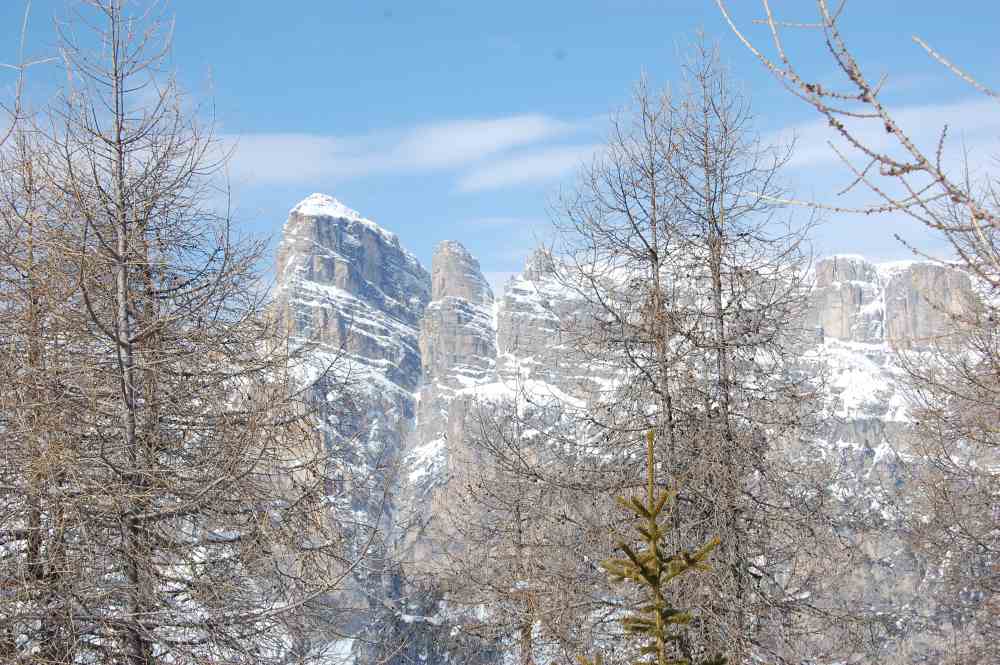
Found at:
[528, 322]
[458, 352]
[457, 344]
[906, 304]
[349, 285]
[534, 319]
[846, 302]
[455, 273]
[919, 299]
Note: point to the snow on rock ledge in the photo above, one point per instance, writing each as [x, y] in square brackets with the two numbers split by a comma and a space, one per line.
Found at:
[323, 205]
[348, 284]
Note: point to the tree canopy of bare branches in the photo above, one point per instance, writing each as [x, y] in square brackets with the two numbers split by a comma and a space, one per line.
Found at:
[697, 286]
[689, 292]
[163, 487]
[951, 503]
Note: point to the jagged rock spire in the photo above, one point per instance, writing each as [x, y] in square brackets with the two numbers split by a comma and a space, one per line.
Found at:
[456, 273]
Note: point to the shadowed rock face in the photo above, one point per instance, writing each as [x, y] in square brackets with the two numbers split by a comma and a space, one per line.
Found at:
[457, 339]
[455, 273]
[906, 304]
[846, 301]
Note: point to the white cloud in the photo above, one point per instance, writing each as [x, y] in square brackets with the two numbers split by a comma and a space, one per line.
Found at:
[531, 167]
[288, 158]
[975, 121]
[457, 143]
[293, 157]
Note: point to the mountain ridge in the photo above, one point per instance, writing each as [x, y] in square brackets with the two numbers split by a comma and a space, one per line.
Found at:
[433, 345]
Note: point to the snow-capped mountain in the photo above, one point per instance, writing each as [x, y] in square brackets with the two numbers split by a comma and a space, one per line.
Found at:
[421, 348]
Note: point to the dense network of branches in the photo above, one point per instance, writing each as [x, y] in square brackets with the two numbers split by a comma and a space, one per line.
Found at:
[164, 491]
[950, 504]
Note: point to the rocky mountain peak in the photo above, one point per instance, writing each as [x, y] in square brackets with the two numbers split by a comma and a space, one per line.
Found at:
[320, 205]
[902, 303]
[457, 334]
[456, 273]
[324, 205]
[346, 283]
[326, 243]
[539, 265]
[844, 268]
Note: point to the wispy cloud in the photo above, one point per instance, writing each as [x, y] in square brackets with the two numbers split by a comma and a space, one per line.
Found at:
[456, 143]
[530, 167]
[974, 121]
[292, 157]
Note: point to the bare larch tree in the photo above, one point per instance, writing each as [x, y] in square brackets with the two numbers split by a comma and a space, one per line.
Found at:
[697, 289]
[950, 505]
[164, 488]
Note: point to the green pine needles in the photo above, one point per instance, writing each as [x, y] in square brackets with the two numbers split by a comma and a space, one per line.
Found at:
[656, 625]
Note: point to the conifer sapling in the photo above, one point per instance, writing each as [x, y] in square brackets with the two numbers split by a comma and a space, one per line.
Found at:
[655, 625]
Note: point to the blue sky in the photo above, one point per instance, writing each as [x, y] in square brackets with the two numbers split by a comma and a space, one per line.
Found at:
[460, 119]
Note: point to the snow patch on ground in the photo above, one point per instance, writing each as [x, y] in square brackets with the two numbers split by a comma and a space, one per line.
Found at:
[340, 652]
[532, 390]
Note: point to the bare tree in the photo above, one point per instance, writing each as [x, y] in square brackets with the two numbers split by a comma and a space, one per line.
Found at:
[30, 541]
[497, 518]
[688, 296]
[912, 180]
[165, 491]
[511, 557]
[953, 494]
[697, 291]
[34, 285]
